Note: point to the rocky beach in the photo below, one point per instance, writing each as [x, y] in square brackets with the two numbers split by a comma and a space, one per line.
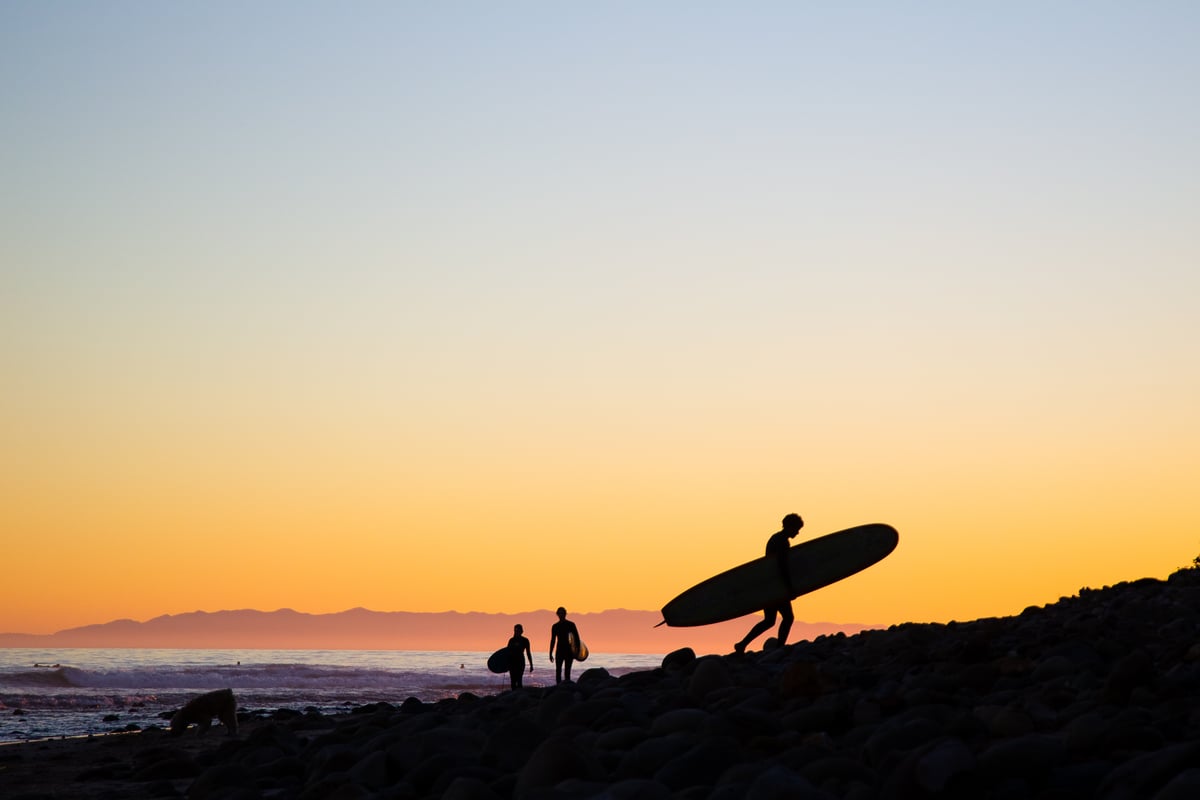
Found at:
[1094, 696]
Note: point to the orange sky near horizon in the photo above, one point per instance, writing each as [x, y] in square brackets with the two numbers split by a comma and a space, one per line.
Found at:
[425, 312]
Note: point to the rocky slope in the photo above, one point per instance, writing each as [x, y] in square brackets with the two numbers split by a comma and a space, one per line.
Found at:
[1097, 695]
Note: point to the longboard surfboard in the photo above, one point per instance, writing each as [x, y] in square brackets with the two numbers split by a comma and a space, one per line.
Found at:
[757, 584]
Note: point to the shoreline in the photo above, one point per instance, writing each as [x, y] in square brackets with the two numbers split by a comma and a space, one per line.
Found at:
[1097, 695]
[65, 738]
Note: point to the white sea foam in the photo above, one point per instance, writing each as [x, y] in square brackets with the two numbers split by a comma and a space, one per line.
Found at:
[69, 692]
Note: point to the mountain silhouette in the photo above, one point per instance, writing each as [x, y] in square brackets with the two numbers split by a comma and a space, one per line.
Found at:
[614, 631]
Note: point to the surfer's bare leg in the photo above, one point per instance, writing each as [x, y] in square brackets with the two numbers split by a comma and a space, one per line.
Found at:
[765, 624]
[785, 625]
[562, 668]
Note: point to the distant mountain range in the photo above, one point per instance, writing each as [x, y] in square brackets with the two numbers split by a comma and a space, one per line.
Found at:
[617, 630]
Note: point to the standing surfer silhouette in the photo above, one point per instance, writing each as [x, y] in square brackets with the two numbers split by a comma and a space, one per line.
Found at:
[518, 651]
[563, 635]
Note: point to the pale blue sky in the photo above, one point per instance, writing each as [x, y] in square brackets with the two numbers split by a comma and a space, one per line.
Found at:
[678, 169]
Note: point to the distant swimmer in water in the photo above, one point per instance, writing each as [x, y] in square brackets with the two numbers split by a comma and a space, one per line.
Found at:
[777, 546]
[518, 652]
[563, 635]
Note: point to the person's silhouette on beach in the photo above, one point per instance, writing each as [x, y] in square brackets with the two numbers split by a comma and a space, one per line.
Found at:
[518, 651]
[564, 634]
[777, 546]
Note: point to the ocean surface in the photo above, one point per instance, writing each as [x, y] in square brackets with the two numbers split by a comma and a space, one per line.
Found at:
[75, 692]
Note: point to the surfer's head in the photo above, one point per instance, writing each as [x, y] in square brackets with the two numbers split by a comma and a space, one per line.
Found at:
[792, 523]
[517, 629]
[562, 612]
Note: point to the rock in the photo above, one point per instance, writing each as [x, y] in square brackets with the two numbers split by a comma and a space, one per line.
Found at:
[434, 769]
[682, 720]
[555, 703]
[1134, 670]
[1025, 756]
[838, 769]
[217, 782]
[512, 742]
[1144, 775]
[678, 659]
[1083, 734]
[650, 755]
[941, 763]
[779, 783]
[372, 771]
[699, 766]
[1184, 786]
[165, 764]
[899, 734]
[710, 675]
[554, 761]
[463, 788]
[1006, 721]
[637, 789]
[1055, 666]
[594, 677]
[801, 679]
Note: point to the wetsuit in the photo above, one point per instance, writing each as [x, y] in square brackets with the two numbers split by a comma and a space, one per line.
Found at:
[518, 650]
[777, 546]
[564, 654]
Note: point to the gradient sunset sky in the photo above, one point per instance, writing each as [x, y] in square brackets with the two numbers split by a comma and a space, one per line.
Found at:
[501, 306]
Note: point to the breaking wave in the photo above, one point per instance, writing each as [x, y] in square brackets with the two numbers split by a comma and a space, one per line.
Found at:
[82, 691]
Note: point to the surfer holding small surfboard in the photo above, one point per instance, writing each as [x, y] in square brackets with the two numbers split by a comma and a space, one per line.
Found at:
[778, 546]
[565, 646]
[518, 651]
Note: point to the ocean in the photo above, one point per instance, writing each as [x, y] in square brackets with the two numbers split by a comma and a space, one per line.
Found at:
[47, 693]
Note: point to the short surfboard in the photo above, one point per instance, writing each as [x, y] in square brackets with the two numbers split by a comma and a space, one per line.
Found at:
[498, 661]
[578, 649]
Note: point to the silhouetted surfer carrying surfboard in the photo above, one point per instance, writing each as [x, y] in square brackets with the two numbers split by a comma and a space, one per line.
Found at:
[778, 546]
[564, 639]
[769, 583]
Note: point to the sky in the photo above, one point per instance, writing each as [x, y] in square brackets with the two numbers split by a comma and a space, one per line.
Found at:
[499, 307]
